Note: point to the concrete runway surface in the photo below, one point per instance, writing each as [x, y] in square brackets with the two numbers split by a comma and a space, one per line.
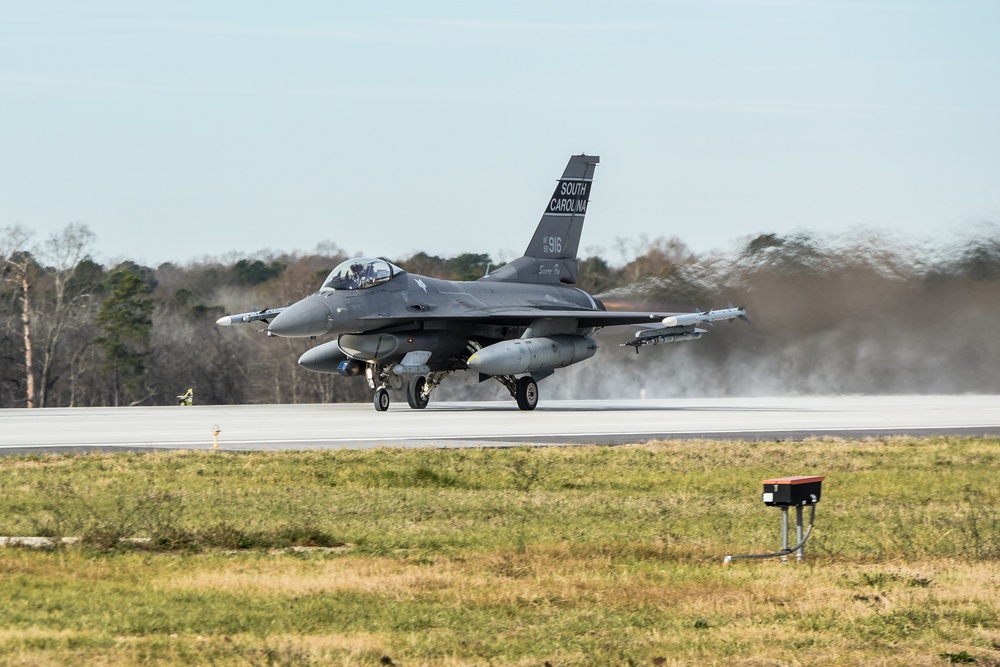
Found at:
[500, 423]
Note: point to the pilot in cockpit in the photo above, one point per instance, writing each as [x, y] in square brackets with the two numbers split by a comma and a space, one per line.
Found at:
[360, 273]
[368, 276]
[355, 278]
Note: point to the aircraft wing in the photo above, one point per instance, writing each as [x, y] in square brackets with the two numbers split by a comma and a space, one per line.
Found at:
[658, 320]
[592, 318]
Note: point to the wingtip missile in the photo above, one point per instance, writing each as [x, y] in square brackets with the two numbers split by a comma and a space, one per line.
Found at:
[741, 313]
[699, 317]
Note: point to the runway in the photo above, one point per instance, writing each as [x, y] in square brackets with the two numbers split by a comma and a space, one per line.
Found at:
[470, 424]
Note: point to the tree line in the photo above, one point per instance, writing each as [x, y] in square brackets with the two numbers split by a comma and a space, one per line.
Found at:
[858, 313]
[76, 333]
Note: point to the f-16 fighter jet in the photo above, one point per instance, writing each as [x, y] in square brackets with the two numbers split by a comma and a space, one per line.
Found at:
[516, 325]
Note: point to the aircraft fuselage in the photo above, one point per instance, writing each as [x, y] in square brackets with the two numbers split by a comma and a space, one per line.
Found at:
[410, 298]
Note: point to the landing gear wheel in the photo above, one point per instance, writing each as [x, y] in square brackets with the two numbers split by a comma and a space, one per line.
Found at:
[527, 393]
[415, 392]
[381, 399]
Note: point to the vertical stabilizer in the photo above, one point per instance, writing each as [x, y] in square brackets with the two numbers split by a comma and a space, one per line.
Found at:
[551, 256]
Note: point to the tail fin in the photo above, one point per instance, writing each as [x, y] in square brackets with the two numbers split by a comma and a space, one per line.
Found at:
[551, 254]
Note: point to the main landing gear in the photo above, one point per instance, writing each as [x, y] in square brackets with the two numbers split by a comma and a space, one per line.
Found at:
[524, 389]
[417, 393]
[526, 393]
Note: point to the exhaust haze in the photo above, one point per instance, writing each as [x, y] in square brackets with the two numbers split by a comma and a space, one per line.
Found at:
[864, 313]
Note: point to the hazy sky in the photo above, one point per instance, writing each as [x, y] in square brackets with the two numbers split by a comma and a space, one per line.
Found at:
[177, 130]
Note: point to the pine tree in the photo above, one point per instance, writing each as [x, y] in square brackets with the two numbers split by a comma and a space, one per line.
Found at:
[126, 318]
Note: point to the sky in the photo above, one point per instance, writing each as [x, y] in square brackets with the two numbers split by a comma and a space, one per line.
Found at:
[182, 130]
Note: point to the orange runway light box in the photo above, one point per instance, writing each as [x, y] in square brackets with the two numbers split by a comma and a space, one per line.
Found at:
[792, 491]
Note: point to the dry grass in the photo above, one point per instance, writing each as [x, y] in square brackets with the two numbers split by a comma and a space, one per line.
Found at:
[747, 613]
[575, 556]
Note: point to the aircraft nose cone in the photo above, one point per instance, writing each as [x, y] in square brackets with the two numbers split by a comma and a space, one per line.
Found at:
[309, 317]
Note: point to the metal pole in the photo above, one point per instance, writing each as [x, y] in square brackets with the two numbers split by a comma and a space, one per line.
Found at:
[800, 553]
[784, 533]
[785, 549]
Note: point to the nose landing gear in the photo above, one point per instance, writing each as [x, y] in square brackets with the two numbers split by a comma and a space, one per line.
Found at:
[381, 399]
[380, 379]
[418, 390]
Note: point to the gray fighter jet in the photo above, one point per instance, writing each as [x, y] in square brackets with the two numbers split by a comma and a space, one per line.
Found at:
[516, 325]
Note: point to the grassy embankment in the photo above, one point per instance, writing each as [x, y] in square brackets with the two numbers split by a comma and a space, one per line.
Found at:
[571, 556]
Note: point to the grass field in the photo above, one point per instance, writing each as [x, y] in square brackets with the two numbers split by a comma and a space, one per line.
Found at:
[560, 556]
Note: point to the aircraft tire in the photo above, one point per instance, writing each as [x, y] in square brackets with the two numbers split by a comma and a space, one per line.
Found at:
[527, 393]
[414, 392]
[381, 399]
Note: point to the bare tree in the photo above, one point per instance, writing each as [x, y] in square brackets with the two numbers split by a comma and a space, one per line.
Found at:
[63, 251]
[19, 270]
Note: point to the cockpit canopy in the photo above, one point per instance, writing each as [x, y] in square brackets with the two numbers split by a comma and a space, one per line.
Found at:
[360, 273]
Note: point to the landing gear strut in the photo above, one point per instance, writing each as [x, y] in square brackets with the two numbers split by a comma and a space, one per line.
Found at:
[380, 379]
[418, 390]
[524, 389]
